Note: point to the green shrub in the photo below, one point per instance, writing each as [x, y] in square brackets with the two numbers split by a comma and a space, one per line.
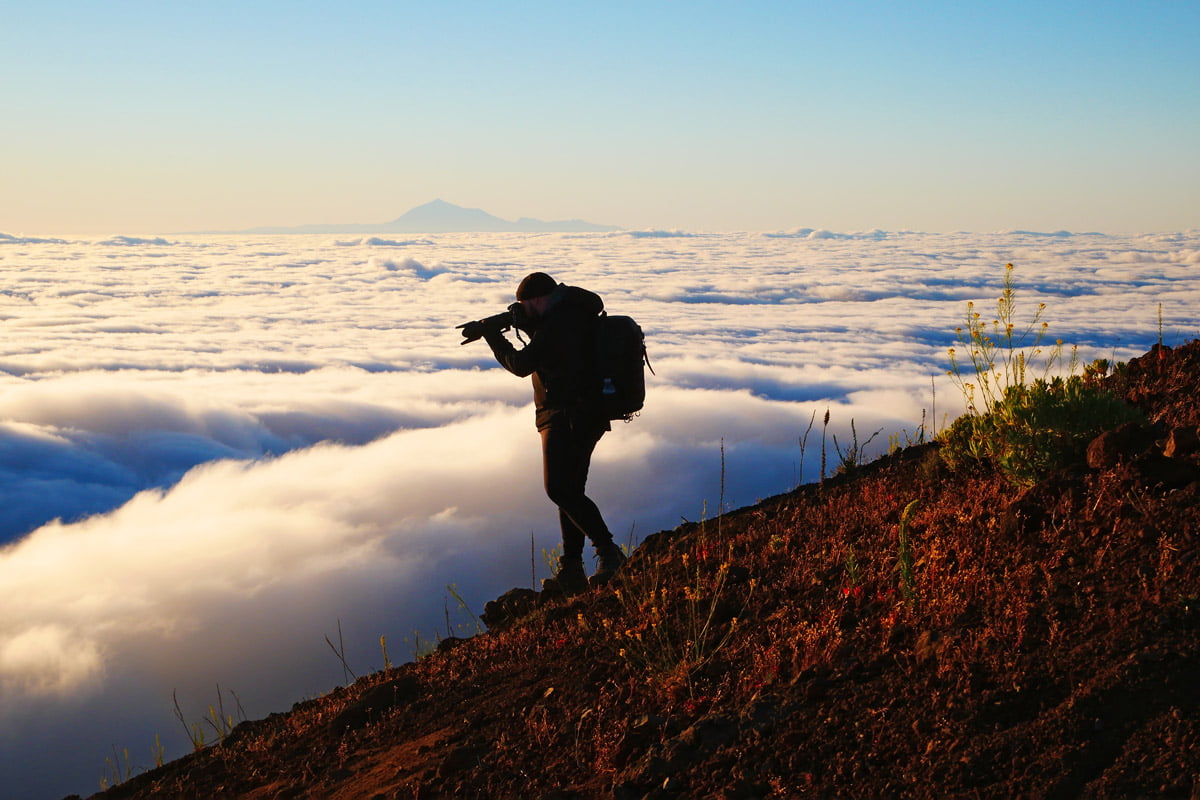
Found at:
[1025, 428]
[1036, 429]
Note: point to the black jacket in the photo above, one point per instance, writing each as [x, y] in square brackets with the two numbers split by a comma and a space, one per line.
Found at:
[560, 356]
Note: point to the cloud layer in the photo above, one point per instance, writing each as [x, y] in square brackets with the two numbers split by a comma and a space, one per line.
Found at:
[215, 450]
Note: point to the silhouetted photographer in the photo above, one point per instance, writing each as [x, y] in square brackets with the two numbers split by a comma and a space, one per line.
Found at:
[561, 322]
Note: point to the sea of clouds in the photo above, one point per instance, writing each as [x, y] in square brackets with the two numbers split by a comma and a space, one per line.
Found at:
[218, 451]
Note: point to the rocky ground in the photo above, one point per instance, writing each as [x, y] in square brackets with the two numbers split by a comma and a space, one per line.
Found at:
[899, 631]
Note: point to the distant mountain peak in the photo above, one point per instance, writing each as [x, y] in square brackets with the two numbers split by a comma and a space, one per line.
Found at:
[440, 216]
[439, 203]
[440, 206]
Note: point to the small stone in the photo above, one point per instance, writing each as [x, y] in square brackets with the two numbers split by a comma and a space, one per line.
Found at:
[509, 607]
[1112, 447]
[1181, 442]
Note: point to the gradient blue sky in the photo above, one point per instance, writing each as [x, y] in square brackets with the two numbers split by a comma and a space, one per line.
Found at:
[140, 117]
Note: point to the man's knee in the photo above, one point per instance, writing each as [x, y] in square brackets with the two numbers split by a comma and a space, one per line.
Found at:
[562, 493]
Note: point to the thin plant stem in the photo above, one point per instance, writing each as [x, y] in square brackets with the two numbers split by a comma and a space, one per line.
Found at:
[804, 444]
[340, 652]
[824, 429]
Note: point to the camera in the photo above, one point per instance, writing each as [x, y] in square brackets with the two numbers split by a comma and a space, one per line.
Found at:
[513, 317]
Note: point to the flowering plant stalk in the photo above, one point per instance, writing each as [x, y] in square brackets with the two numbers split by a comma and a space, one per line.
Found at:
[1001, 354]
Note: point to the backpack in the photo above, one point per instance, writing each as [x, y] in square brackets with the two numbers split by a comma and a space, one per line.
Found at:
[620, 354]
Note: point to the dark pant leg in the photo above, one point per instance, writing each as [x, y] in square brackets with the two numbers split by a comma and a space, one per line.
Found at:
[566, 456]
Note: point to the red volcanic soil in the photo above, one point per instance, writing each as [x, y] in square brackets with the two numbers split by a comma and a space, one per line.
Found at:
[988, 642]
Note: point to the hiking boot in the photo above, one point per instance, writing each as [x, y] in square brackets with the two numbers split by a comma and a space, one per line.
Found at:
[570, 578]
[611, 559]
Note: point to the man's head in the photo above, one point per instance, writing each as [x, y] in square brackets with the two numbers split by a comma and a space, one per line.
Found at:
[536, 284]
[534, 293]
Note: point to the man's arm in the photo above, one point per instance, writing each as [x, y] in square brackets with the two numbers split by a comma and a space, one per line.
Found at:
[519, 362]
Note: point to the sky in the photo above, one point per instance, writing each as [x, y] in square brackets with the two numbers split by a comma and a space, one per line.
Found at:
[216, 451]
[147, 117]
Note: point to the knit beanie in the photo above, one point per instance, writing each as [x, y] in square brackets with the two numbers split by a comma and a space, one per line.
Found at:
[536, 284]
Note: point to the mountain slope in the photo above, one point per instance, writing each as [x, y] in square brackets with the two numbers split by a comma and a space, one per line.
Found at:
[899, 630]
